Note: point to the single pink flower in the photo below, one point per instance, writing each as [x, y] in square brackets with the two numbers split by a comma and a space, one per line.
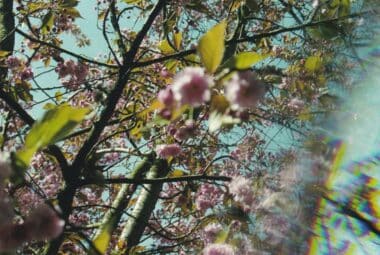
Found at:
[243, 90]
[191, 86]
[168, 150]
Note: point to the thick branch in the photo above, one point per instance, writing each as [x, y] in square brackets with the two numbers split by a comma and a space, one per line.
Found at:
[112, 217]
[145, 204]
[186, 178]
[254, 37]
[7, 24]
[67, 195]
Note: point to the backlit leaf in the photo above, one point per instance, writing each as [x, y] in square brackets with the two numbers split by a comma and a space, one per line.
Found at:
[69, 3]
[132, 1]
[136, 131]
[218, 120]
[102, 240]
[176, 173]
[165, 47]
[245, 60]
[177, 37]
[4, 53]
[222, 236]
[56, 123]
[47, 22]
[211, 47]
[73, 12]
[313, 63]
[219, 103]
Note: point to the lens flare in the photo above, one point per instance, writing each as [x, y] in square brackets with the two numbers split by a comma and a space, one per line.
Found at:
[347, 217]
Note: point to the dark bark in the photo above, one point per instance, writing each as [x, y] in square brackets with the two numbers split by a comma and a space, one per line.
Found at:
[7, 36]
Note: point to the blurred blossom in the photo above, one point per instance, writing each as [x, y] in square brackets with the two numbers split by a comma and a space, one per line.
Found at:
[296, 104]
[168, 150]
[185, 131]
[243, 90]
[275, 228]
[44, 223]
[13, 62]
[26, 74]
[208, 195]
[166, 97]
[191, 86]
[13, 236]
[211, 231]
[218, 249]
[241, 190]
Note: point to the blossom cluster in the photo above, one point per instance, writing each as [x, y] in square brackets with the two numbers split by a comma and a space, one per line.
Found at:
[19, 68]
[41, 224]
[72, 74]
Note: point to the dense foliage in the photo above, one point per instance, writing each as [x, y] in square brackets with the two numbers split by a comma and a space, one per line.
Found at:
[181, 136]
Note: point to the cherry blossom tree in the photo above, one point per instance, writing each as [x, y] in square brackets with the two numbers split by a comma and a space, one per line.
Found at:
[175, 138]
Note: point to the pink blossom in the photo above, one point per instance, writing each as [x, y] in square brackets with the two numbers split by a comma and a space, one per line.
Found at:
[211, 231]
[218, 249]
[66, 68]
[44, 223]
[76, 72]
[166, 97]
[191, 86]
[208, 196]
[13, 235]
[26, 74]
[296, 104]
[168, 150]
[275, 228]
[165, 73]
[241, 190]
[13, 62]
[185, 131]
[243, 90]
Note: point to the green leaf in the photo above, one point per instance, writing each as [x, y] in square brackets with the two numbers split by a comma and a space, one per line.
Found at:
[177, 38]
[132, 1]
[47, 22]
[102, 240]
[33, 7]
[73, 12]
[222, 235]
[211, 47]
[69, 3]
[4, 53]
[313, 63]
[244, 60]
[218, 120]
[166, 48]
[56, 123]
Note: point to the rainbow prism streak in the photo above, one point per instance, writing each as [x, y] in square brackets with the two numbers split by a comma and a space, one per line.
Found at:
[348, 216]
